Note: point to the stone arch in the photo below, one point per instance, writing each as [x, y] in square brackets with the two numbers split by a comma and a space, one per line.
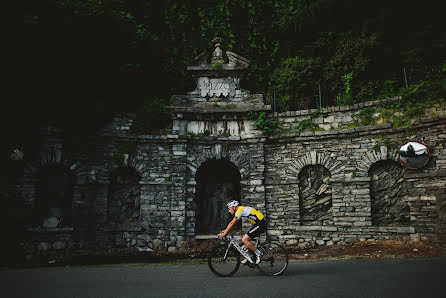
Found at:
[317, 158]
[126, 160]
[123, 204]
[53, 177]
[315, 196]
[218, 151]
[218, 181]
[371, 157]
[234, 155]
[388, 194]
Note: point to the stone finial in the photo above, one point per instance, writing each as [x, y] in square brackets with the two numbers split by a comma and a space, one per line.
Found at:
[217, 55]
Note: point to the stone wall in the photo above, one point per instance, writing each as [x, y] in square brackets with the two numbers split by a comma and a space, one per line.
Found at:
[315, 188]
[406, 204]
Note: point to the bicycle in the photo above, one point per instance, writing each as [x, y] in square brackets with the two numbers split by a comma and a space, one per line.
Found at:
[224, 259]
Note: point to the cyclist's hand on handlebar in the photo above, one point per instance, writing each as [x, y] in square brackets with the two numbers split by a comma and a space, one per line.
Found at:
[221, 235]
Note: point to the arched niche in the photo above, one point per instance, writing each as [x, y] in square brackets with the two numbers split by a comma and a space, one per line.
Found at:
[315, 202]
[218, 181]
[123, 205]
[388, 194]
[54, 196]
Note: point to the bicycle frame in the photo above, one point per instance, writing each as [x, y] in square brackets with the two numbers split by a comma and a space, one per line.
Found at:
[232, 241]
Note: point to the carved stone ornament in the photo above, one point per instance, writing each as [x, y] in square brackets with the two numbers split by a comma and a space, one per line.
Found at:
[217, 55]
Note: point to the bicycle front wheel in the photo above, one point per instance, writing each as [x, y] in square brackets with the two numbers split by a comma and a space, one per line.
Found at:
[274, 259]
[224, 260]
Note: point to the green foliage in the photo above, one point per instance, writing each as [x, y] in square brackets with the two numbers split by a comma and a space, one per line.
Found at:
[367, 116]
[414, 100]
[385, 141]
[101, 57]
[118, 159]
[152, 116]
[217, 65]
[296, 80]
[268, 125]
[305, 125]
[347, 59]
[346, 98]
[129, 148]
[347, 82]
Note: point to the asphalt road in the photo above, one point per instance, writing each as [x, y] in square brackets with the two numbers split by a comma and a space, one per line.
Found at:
[339, 278]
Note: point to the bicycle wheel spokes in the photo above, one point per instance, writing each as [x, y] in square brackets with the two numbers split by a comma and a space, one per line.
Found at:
[224, 262]
[274, 259]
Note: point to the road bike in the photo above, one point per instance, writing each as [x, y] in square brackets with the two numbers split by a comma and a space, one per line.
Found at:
[224, 259]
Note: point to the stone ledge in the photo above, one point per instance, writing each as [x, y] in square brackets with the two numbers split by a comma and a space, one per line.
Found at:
[406, 230]
[336, 109]
[281, 182]
[316, 228]
[351, 180]
[228, 108]
[332, 133]
[416, 174]
[49, 230]
[205, 237]
[156, 183]
[121, 229]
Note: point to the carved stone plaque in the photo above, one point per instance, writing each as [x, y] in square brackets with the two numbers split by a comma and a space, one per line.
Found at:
[216, 87]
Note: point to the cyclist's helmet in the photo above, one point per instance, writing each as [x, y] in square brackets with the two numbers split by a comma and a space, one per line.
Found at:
[232, 203]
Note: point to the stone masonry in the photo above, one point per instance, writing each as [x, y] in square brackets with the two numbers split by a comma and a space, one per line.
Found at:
[324, 187]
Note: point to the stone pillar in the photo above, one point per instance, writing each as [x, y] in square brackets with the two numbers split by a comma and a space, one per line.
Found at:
[351, 202]
[178, 198]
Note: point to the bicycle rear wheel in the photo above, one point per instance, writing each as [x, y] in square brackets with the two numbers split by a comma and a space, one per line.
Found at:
[222, 261]
[274, 259]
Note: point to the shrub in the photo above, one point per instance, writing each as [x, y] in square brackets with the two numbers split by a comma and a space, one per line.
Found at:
[295, 81]
[152, 116]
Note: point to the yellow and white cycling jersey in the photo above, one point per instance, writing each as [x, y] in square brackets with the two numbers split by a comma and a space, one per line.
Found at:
[248, 213]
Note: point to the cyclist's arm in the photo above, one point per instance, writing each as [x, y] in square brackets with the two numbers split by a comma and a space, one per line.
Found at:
[228, 228]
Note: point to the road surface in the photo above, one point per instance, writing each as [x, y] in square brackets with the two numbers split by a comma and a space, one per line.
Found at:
[336, 278]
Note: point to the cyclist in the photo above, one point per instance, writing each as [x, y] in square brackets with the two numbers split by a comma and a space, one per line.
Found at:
[253, 216]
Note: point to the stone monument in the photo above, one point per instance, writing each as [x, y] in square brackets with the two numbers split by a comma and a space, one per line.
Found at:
[218, 105]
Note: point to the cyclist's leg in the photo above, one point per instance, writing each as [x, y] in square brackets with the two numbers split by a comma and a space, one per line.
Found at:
[247, 241]
[254, 232]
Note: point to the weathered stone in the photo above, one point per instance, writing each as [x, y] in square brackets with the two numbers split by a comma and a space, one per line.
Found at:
[158, 244]
[51, 222]
[320, 242]
[311, 186]
[43, 246]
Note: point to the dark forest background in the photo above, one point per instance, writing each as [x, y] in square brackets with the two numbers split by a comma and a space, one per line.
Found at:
[73, 63]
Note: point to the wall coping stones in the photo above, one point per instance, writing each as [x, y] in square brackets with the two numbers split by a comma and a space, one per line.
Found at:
[220, 107]
[332, 133]
[335, 109]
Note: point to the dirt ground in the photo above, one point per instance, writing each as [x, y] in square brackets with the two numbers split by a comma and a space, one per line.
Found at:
[371, 249]
[197, 253]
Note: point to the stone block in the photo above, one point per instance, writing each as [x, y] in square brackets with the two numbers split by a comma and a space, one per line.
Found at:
[291, 242]
[43, 246]
[59, 245]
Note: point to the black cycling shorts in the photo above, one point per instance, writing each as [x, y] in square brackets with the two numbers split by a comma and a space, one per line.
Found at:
[257, 229]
